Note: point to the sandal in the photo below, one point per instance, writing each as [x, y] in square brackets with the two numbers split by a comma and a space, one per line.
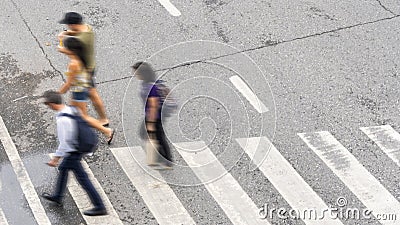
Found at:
[111, 137]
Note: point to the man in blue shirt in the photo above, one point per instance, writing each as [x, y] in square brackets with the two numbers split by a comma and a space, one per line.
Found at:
[67, 137]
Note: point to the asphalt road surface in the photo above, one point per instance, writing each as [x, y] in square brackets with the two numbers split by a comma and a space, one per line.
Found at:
[288, 111]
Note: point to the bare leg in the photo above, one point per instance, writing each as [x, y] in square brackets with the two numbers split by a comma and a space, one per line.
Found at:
[82, 106]
[98, 105]
[97, 125]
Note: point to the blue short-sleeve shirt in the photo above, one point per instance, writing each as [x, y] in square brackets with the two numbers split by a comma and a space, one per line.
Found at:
[149, 90]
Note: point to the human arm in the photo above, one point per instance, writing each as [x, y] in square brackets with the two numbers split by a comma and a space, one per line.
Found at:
[65, 135]
[73, 70]
[64, 33]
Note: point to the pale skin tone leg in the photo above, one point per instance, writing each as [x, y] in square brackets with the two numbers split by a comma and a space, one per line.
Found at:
[74, 68]
[93, 94]
[82, 106]
[98, 105]
[97, 125]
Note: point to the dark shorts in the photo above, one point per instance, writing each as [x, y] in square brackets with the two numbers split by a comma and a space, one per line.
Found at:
[80, 96]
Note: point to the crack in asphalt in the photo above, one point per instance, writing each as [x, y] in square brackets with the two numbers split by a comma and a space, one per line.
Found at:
[157, 70]
[306, 37]
[259, 47]
[36, 39]
[216, 57]
[385, 8]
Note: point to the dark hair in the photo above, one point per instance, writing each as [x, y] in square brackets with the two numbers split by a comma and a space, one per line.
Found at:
[145, 70]
[77, 47]
[52, 97]
[71, 18]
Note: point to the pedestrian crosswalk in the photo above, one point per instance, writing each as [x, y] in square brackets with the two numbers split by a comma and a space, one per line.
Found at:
[363, 184]
[285, 178]
[22, 176]
[158, 196]
[236, 202]
[387, 139]
[83, 202]
[3, 219]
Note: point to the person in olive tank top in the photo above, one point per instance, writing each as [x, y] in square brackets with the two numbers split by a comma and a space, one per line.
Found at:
[78, 82]
[85, 34]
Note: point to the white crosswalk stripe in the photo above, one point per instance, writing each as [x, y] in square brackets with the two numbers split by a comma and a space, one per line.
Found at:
[158, 196]
[236, 204]
[76, 191]
[365, 186]
[286, 180]
[387, 139]
[170, 7]
[3, 219]
[83, 202]
[22, 176]
[248, 94]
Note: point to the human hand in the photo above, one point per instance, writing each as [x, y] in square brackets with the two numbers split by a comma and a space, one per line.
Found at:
[53, 162]
[61, 35]
[150, 127]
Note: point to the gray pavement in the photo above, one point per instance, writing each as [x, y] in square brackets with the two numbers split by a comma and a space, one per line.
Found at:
[316, 65]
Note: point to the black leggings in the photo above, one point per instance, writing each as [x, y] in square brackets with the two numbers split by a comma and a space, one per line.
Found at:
[163, 149]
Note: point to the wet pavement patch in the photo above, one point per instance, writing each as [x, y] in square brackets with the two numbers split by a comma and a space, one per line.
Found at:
[21, 109]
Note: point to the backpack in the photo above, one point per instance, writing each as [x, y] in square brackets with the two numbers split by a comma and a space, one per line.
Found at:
[87, 138]
[169, 104]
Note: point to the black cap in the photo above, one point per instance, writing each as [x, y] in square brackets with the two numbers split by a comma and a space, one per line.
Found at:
[71, 18]
[52, 97]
